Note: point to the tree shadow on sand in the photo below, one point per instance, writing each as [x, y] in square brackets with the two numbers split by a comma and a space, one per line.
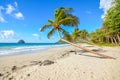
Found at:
[82, 52]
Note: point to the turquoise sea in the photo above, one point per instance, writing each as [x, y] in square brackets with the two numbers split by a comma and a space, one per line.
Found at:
[16, 48]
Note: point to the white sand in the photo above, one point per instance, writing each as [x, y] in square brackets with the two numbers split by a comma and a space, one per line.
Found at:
[67, 65]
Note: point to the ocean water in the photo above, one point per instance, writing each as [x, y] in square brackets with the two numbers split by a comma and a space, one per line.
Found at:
[15, 48]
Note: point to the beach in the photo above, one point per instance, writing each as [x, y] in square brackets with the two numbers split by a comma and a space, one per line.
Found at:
[62, 63]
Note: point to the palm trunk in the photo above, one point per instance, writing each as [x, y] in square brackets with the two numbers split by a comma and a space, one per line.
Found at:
[118, 38]
[115, 40]
[111, 40]
[102, 39]
[93, 52]
[107, 39]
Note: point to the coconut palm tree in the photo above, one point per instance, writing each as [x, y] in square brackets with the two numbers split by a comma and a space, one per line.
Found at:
[83, 34]
[79, 35]
[75, 34]
[63, 17]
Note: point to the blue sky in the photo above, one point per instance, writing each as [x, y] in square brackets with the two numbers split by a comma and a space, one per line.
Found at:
[22, 19]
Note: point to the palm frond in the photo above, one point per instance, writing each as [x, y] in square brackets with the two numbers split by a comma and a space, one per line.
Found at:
[67, 10]
[51, 21]
[63, 31]
[75, 34]
[69, 21]
[66, 35]
[51, 33]
[45, 27]
[61, 13]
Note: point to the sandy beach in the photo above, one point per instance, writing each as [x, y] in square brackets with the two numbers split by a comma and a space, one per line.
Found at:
[62, 63]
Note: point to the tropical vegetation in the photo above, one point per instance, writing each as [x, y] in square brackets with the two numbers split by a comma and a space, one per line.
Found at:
[110, 31]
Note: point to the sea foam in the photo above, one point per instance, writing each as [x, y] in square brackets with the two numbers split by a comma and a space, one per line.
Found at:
[25, 49]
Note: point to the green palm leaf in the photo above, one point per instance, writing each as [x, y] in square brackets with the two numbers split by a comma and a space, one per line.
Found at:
[67, 36]
[61, 13]
[69, 21]
[45, 27]
[51, 33]
[51, 21]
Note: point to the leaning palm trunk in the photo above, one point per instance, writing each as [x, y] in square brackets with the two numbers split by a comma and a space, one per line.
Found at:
[93, 52]
[81, 47]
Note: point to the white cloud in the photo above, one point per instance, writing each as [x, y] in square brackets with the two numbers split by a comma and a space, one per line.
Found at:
[19, 15]
[16, 4]
[105, 5]
[1, 36]
[10, 9]
[1, 16]
[35, 35]
[7, 34]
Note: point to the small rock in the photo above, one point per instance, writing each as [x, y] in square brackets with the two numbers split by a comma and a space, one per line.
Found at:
[47, 62]
[73, 51]
[1, 74]
[7, 72]
[36, 62]
[24, 66]
[48, 78]
[28, 74]
[10, 78]
[14, 68]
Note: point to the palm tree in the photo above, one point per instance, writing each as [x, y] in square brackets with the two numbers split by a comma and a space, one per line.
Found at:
[75, 34]
[83, 34]
[79, 35]
[67, 37]
[63, 17]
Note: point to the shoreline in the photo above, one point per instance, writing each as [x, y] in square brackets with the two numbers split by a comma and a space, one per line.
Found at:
[38, 50]
[62, 63]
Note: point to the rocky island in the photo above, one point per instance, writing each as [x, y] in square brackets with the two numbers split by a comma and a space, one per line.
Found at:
[21, 41]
